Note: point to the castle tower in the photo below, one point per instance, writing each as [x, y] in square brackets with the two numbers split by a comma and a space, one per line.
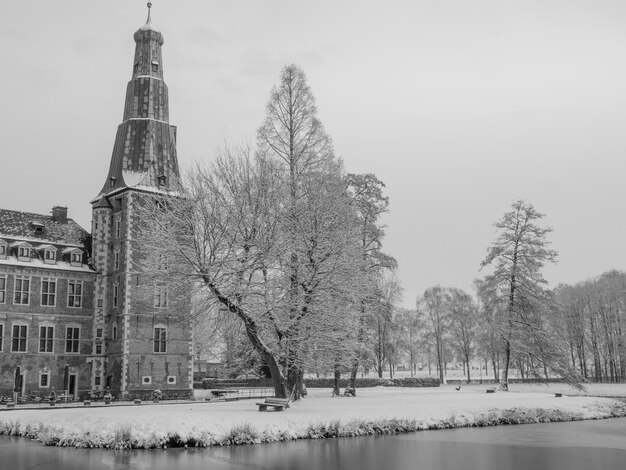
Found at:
[140, 342]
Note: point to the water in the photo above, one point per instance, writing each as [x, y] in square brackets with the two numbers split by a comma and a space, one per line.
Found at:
[557, 446]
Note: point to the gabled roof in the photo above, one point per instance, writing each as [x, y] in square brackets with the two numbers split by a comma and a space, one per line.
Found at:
[16, 224]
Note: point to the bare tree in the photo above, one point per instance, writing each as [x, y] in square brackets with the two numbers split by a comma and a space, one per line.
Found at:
[434, 305]
[463, 317]
[370, 202]
[517, 255]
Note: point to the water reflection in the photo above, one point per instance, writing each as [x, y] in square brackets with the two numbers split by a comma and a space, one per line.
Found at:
[559, 446]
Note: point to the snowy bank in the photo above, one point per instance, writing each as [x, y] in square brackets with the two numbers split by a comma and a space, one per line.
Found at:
[373, 411]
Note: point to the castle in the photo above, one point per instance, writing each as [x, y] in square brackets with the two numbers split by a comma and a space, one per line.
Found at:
[85, 324]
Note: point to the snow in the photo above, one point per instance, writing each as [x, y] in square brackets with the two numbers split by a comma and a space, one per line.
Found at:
[213, 423]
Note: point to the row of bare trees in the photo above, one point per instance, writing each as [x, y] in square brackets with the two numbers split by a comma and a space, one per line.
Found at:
[594, 319]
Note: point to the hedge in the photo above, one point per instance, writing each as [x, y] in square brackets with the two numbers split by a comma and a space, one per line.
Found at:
[376, 382]
[210, 383]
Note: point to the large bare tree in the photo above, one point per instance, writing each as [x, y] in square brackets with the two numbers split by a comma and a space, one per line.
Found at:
[517, 256]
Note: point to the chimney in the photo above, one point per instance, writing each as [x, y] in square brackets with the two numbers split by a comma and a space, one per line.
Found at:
[59, 214]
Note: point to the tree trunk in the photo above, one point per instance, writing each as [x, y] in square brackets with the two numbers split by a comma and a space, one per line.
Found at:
[336, 379]
[360, 337]
[504, 383]
[252, 333]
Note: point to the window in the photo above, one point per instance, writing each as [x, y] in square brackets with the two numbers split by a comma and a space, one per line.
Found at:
[77, 257]
[98, 381]
[160, 338]
[146, 380]
[114, 332]
[100, 302]
[22, 290]
[117, 258]
[98, 333]
[19, 338]
[46, 339]
[74, 293]
[118, 227]
[160, 297]
[71, 339]
[48, 292]
[44, 379]
[155, 66]
[50, 255]
[135, 67]
[115, 292]
[3, 250]
[1, 336]
[23, 252]
[162, 180]
[3, 290]
[98, 349]
[171, 380]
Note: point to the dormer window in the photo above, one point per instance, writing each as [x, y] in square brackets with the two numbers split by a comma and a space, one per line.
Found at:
[50, 256]
[23, 252]
[112, 181]
[155, 66]
[48, 253]
[38, 229]
[3, 249]
[162, 180]
[74, 256]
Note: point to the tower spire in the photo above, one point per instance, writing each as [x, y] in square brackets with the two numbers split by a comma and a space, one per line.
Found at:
[149, 20]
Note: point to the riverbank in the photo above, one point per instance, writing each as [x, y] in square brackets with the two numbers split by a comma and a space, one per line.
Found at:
[373, 411]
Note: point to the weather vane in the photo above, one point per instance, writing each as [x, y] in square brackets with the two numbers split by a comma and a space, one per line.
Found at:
[149, 7]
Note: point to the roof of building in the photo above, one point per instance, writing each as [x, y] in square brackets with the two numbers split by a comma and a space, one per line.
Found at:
[21, 225]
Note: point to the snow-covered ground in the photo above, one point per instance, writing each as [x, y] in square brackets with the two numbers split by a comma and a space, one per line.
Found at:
[373, 411]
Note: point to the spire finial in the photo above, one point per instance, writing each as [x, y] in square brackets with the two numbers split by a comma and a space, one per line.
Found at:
[148, 21]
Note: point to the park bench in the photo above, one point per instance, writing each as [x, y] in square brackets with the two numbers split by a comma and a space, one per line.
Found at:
[491, 390]
[279, 404]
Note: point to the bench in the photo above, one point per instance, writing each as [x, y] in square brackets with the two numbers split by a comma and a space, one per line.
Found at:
[491, 390]
[278, 404]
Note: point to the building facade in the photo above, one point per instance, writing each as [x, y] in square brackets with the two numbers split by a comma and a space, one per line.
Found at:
[46, 310]
[132, 337]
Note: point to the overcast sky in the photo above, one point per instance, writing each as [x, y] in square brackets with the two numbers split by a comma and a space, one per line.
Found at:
[460, 107]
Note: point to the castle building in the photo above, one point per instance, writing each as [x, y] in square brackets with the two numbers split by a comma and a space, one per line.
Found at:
[46, 293]
[124, 333]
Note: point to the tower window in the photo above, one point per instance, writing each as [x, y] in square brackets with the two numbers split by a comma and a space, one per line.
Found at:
[136, 67]
[112, 181]
[162, 180]
[160, 339]
[155, 66]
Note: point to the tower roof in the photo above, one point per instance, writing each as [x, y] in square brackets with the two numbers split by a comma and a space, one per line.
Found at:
[148, 26]
[144, 153]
